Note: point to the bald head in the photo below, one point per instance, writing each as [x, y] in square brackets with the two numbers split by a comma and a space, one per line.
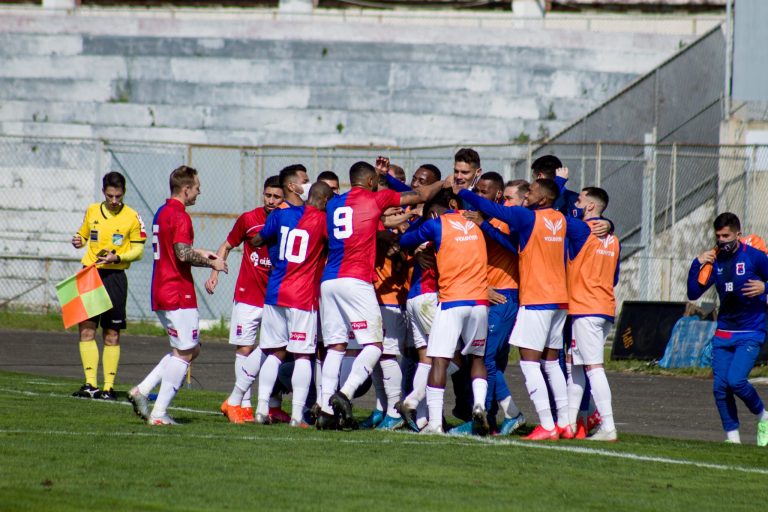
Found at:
[319, 195]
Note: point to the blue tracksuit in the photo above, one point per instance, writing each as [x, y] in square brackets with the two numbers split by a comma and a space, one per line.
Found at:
[740, 328]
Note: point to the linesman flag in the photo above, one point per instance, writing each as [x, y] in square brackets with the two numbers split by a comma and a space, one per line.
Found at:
[82, 296]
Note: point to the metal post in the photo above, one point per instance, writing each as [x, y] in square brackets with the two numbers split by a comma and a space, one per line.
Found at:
[647, 214]
[598, 163]
[728, 59]
[674, 182]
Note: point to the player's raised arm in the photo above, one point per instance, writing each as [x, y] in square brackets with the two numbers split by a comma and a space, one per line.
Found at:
[213, 279]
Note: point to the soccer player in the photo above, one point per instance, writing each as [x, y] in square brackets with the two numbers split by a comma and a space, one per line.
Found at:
[739, 275]
[593, 272]
[331, 179]
[290, 311]
[250, 288]
[514, 190]
[466, 168]
[113, 235]
[538, 331]
[173, 295]
[462, 317]
[503, 278]
[546, 167]
[348, 301]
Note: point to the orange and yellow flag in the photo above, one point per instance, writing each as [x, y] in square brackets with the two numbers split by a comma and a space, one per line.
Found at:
[82, 296]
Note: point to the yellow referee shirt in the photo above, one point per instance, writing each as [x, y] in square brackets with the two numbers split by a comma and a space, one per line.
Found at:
[102, 229]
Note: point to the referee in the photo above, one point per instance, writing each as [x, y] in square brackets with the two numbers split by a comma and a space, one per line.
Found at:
[113, 236]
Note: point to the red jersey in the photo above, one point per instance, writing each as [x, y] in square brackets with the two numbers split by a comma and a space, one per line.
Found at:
[172, 286]
[252, 280]
[353, 219]
[299, 235]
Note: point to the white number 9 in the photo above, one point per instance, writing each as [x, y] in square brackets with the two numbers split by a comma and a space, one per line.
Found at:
[342, 221]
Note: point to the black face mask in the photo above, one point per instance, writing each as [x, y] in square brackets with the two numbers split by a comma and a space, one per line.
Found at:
[727, 246]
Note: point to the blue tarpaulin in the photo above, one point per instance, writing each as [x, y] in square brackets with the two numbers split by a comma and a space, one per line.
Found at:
[690, 344]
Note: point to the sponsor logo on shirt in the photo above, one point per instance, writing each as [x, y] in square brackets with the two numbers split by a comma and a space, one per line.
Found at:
[298, 336]
[478, 343]
[260, 262]
[606, 242]
[173, 332]
[741, 269]
[142, 228]
[555, 228]
[465, 229]
[359, 326]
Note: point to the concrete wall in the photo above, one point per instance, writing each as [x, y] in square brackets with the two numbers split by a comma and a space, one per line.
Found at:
[141, 77]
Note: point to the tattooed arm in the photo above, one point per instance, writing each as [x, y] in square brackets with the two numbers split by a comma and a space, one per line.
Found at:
[199, 257]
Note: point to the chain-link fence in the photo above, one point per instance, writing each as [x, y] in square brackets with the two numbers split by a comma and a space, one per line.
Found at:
[663, 200]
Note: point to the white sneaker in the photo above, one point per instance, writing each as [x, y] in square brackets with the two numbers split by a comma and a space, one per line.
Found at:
[262, 419]
[140, 403]
[161, 420]
[604, 435]
[429, 429]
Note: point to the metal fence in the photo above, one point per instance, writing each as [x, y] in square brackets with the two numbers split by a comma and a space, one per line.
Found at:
[663, 199]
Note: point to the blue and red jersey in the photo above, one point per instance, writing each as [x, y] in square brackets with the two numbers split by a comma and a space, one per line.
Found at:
[172, 286]
[352, 221]
[296, 237]
[730, 274]
[422, 280]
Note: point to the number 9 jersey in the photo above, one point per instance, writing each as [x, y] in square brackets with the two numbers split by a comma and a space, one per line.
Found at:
[296, 237]
[353, 219]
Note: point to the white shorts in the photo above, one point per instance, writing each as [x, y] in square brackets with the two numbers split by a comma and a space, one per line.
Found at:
[538, 329]
[244, 324]
[289, 327]
[420, 311]
[470, 323]
[349, 304]
[588, 335]
[182, 326]
[395, 329]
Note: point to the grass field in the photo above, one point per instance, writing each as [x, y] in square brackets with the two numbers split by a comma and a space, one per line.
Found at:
[63, 453]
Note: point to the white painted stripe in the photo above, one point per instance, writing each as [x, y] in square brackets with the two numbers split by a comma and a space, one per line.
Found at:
[432, 440]
[422, 440]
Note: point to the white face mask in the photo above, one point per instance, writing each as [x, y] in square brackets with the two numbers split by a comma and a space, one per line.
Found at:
[304, 194]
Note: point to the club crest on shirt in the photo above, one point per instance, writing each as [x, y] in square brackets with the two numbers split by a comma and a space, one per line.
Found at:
[741, 269]
[239, 330]
[117, 239]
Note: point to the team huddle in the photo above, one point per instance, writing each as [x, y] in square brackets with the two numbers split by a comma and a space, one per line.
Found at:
[398, 287]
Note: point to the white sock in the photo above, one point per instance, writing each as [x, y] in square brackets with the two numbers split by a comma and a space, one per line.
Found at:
[393, 384]
[331, 367]
[509, 408]
[173, 376]
[602, 395]
[576, 383]
[733, 436]
[154, 377]
[419, 392]
[300, 382]
[378, 386]
[479, 391]
[318, 379]
[239, 360]
[537, 391]
[763, 416]
[422, 413]
[346, 369]
[267, 378]
[249, 370]
[559, 390]
[435, 406]
[364, 363]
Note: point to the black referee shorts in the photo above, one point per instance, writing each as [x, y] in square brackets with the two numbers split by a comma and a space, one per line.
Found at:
[116, 283]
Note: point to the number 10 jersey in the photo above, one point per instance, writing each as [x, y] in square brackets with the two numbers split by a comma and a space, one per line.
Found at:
[296, 236]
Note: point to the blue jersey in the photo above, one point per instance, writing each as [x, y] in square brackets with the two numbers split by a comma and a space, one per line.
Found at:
[566, 201]
[730, 273]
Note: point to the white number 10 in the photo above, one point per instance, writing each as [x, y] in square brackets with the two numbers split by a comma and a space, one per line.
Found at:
[288, 239]
[342, 221]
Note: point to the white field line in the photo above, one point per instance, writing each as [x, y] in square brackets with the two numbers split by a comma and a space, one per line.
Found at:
[422, 441]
